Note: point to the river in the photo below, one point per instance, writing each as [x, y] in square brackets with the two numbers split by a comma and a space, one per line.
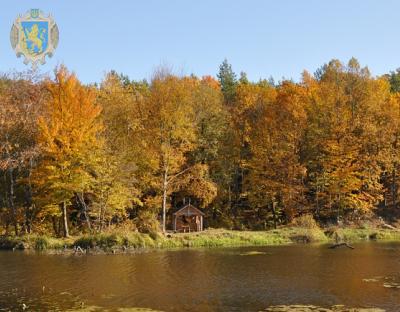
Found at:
[228, 279]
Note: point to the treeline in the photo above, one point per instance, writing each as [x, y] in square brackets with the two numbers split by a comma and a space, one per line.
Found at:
[78, 158]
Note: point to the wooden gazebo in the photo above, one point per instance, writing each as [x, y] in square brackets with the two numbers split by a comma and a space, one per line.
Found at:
[188, 219]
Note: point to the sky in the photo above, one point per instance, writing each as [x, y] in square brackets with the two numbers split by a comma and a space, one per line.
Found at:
[265, 39]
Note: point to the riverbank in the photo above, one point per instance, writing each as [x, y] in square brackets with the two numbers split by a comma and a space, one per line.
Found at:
[124, 241]
[311, 308]
[280, 308]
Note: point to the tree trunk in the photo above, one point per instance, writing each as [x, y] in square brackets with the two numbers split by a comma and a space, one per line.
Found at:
[65, 219]
[7, 228]
[317, 201]
[11, 201]
[274, 215]
[28, 220]
[28, 208]
[55, 227]
[164, 201]
[229, 197]
[394, 191]
[29, 205]
[236, 192]
[85, 212]
[100, 219]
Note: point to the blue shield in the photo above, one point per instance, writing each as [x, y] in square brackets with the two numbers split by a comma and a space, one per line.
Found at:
[36, 36]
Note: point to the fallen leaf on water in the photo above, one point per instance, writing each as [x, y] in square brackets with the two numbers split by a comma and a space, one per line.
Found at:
[391, 285]
[253, 253]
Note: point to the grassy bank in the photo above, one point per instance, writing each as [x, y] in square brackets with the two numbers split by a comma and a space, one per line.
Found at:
[356, 235]
[126, 240]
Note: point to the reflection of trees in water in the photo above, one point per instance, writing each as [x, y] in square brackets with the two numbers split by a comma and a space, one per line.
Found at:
[203, 279]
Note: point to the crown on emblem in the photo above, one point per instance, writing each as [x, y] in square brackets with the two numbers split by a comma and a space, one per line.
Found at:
[34, 13]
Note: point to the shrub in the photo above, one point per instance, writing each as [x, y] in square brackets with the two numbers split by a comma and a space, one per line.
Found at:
[41, 243]
[147, 222]
[305, 221]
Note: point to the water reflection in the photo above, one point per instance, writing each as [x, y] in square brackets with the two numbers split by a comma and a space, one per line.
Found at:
[203, 279]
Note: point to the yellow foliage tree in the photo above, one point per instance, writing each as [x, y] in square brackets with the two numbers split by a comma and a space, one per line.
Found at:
[68, 134]
[347, 141]
[276, 174]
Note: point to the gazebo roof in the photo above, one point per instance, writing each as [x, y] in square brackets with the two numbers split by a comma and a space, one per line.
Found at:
[189, 210]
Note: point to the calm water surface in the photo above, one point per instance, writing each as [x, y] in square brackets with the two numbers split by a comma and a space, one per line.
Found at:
[203, 279]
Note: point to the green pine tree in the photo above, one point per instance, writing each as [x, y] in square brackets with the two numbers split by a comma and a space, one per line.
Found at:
[228, 81]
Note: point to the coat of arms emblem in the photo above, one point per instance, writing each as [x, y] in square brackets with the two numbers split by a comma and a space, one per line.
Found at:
[34, 36]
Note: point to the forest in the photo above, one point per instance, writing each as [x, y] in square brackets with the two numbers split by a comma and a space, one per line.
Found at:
[78, 158]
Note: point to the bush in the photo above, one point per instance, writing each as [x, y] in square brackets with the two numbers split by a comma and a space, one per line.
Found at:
[155, 235]
[102, 240]
[305, 221]
[41, 243]
[147, 223]
[8, 242]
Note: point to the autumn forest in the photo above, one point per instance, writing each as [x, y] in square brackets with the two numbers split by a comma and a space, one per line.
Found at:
[78, 158]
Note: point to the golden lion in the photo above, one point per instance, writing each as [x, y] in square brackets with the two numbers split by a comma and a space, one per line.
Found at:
[36, 39]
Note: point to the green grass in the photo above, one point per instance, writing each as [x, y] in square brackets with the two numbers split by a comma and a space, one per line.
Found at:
[116, 239]
[32, 241]
[96, 308]
[354, 235]
[128, 240]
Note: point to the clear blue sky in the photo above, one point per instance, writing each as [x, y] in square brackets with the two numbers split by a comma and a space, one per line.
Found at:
[262, 38]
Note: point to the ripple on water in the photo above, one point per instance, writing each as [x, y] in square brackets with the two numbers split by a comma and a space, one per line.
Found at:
[312, 308]
[386, 281]
[234, 279]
